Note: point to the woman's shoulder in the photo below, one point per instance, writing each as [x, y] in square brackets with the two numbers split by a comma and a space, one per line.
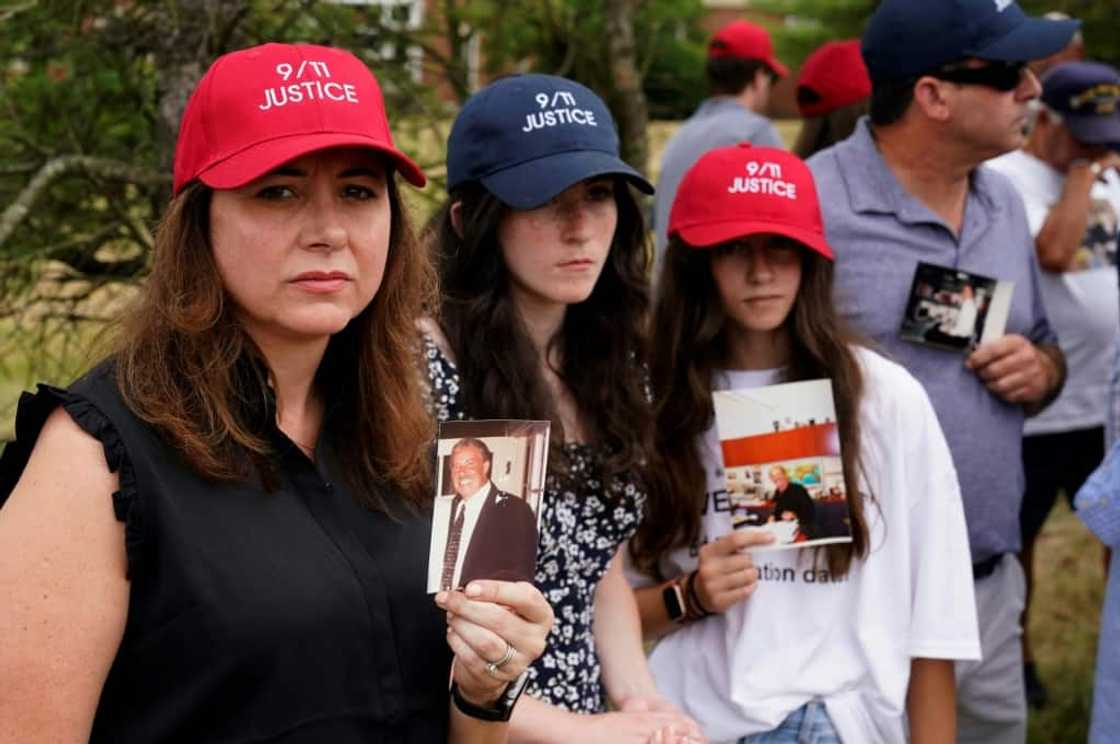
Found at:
[435, 340]
[440, 371]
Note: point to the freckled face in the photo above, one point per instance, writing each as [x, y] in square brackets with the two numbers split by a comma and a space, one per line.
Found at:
[555, 253]
[469, 470]
[757, 279]
[301, 250]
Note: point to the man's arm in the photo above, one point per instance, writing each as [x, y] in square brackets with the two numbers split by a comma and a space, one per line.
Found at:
[1063, 230]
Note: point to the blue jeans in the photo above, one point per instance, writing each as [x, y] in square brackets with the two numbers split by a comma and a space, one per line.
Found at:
[809, 724]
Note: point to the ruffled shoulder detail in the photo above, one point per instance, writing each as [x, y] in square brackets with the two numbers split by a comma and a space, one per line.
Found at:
[33, 411]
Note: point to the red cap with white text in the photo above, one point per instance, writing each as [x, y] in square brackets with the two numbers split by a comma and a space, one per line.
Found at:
[258, 108]
[736, 191]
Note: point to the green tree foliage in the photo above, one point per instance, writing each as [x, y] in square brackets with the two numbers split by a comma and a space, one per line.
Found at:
[1098, 24]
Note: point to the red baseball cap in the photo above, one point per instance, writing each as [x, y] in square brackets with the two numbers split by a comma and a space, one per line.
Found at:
[746, 41]
[258, 108]
[733, 192]
[836, 76]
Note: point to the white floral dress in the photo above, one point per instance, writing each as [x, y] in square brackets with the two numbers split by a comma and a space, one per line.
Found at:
[582, 524]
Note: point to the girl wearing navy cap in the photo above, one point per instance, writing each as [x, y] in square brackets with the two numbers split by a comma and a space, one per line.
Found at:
[219, 534]
[542, 263]
[838, 643]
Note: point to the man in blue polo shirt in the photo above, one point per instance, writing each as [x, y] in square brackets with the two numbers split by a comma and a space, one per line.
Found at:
[949, 91]
[740, 69]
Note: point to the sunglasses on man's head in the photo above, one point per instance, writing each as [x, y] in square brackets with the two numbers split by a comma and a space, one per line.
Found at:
[1004, 76]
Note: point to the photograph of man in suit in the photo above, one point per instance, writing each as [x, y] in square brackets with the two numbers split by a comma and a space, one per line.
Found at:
[792, 501]
[491, 534]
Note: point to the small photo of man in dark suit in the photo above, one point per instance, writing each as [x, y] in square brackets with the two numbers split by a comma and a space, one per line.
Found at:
[491, 534]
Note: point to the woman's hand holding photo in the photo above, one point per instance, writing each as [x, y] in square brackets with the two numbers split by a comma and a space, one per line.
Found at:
[496, 629]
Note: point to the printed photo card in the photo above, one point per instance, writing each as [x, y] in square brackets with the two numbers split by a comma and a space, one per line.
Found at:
[781, 461]
[953, 309]
[490, 476]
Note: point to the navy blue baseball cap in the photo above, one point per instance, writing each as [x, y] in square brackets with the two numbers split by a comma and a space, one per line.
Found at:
[908, 38]
[526, 138]
[1087, 95]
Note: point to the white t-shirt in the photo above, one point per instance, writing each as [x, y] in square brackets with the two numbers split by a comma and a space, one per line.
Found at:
[803, 634]
[1082, 304]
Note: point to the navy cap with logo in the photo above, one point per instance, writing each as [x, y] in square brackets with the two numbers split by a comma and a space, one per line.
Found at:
[526, 138]
[1087, 95]
[908, 38]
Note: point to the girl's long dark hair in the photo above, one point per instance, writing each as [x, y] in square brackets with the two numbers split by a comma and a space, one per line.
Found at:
[691, 345]
[602, 342]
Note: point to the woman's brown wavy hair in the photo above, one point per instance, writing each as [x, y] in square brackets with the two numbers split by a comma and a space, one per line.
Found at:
[602, 342]
[185, 365]
[691, 345]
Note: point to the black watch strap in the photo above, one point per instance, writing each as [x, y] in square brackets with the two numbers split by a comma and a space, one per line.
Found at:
[502, 708]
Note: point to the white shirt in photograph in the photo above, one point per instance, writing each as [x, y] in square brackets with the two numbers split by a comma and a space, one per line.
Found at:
[1082, 304]
[806, 635]
[441, 519]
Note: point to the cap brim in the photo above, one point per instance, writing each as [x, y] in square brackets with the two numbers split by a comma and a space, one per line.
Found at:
[1034, 38]
[1094, 129]
[253, 162]
[710, 234]
[779, 69]
[530, 184]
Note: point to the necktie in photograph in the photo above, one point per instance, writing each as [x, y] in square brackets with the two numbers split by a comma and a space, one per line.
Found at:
[451, 552]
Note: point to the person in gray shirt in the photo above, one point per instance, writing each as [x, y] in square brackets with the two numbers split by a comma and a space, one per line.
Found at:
[741, 68]
[950, 90]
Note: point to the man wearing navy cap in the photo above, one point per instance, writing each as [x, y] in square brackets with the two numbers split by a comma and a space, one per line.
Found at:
[740, 69]
[950, 90]
[1067, 177]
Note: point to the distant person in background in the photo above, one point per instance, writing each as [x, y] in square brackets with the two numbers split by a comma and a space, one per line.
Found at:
[1098, 506]
[1066, 174]
[832, 92]
[740, 71]
[1074, 51]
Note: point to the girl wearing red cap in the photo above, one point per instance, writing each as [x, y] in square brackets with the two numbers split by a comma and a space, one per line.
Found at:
[542, 264]
[838, 643]
[218, 534]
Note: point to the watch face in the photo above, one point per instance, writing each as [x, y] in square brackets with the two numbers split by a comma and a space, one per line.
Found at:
[674, 602]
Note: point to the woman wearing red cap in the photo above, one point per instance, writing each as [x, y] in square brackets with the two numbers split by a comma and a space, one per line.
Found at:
[829, 644]
[219, 533]
[542, 264]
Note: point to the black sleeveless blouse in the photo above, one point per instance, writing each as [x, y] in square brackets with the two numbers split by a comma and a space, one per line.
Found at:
[293, 615]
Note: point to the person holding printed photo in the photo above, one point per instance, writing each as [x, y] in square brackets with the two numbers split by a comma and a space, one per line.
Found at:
[841, 643]
[220, 533]
[542, 253]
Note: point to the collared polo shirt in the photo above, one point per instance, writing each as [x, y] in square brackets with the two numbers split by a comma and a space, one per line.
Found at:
[718, 122]
[879, 233]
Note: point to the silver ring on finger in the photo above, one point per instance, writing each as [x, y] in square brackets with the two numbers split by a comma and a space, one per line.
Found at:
[493, 666]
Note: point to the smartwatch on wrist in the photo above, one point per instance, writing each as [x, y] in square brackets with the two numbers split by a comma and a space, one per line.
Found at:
[673, 597]
[501, 709]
